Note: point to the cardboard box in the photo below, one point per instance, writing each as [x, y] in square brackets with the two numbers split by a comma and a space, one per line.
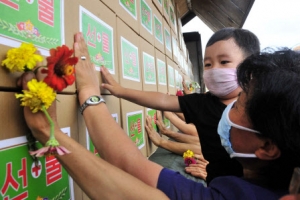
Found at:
[44, 27]
[133, 124]
[99, 30]
[148, 66]
[128, 54]
[168, 40]
[13, 141]
[112, 4]
[173, 17]
[161, 66]
[129, 12]
[171, 76]
[158, 30]
[166, 10]
[158, 5]
[146, 20]
[175, 48]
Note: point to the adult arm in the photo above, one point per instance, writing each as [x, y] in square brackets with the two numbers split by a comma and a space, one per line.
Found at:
[91, 173]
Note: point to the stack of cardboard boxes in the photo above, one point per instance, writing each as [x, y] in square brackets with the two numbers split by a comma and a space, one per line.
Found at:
[139, 41]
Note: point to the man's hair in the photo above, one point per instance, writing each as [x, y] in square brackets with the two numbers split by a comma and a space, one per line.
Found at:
[271, 81]
[246, 40]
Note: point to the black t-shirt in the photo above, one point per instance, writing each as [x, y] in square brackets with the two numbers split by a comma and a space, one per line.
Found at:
[205, 111]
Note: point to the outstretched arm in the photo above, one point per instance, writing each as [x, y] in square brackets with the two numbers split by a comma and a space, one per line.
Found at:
[155, 100]
[185, 128]
[91, 173]
[173, 146]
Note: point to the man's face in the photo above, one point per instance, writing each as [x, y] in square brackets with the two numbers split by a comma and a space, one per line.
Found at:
[242, 141]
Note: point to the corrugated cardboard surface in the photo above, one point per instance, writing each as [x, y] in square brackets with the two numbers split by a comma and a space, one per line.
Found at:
[158, 44]
[112, 4]
[161, 87]
[147, 48]
[175, 48]
[165, 10]
[158, 5]
[124, 31]
[128, 107]
[167, 51]
[171, 89]
[130, 20]
[102, 12]
[149, 36]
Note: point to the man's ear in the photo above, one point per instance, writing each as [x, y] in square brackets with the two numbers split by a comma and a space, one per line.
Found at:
[269, 151]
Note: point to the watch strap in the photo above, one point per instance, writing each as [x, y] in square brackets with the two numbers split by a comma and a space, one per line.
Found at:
[89, 103]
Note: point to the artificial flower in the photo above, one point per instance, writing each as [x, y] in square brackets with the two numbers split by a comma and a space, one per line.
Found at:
[51, 148]
[188, 157]
[22, 59]
[60, 68]
[39, 94]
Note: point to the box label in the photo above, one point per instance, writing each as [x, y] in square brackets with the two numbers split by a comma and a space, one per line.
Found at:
[21, 178]
[158, 29]
[171, 76]
[146, 16]
[130, 7]
[162, 72]
[135, 128]
[130, 60]
[39, 22]
[99, 38]
[168, 40]
[149, 69]
[172, 15]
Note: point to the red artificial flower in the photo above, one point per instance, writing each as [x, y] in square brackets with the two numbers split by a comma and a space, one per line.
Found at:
[60, 68]
[179, 93]
[189, 161]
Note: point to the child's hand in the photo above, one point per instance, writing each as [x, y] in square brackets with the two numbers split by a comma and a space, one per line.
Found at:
[111, 85]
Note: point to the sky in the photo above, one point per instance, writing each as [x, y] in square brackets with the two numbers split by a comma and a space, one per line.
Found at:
[275, 22]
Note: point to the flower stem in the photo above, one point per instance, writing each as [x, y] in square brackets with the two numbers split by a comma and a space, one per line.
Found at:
[50, 122]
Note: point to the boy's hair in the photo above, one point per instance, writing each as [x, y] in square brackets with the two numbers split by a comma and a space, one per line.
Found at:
[246, 40]
[272, 84]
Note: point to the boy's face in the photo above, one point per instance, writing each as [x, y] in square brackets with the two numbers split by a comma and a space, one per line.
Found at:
[223, 54]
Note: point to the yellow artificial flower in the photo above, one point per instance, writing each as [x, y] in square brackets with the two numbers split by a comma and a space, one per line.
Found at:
[22, 58]
[188, 154]
[39, 94]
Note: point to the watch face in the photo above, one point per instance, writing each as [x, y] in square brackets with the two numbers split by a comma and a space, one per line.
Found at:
[95, 99]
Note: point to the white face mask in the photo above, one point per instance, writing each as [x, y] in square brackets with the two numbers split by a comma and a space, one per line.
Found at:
[224, 127]
[220, 81]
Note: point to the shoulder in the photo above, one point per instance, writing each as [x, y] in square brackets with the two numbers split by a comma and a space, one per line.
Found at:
[236, 188]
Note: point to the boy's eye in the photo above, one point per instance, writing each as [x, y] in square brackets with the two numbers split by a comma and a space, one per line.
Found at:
[207, 65]
[224, 62]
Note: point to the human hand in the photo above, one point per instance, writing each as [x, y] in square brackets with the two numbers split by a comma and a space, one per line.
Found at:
[185, 88]
[110, 84]
[199, 169]
[87, 82]
[153, 135]
[37, 122]
[160, 123]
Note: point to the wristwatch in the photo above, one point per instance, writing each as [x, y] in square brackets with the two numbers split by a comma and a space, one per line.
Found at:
[91, 101]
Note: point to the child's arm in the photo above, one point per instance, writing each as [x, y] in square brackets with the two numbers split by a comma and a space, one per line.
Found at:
[154, 100]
